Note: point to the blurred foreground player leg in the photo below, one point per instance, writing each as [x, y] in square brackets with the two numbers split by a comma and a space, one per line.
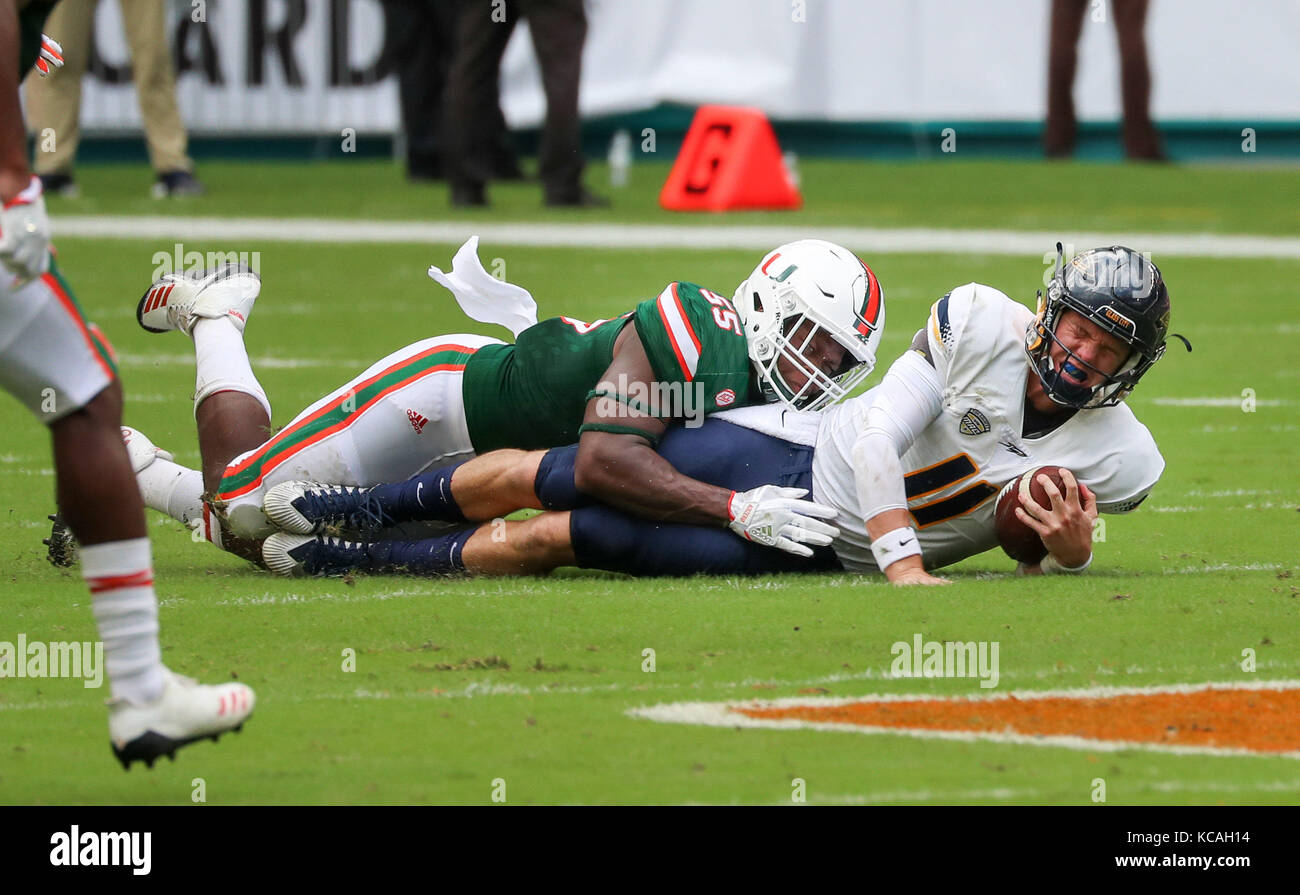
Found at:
[59, 366]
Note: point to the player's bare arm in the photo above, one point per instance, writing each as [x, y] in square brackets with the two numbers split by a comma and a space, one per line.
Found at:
[24, 226]
[910, 569]
[892, 423]
[616, 461]
[14, 173]
[618, 465]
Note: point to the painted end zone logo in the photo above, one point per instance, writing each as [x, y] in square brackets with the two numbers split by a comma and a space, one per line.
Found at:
[1204, 719]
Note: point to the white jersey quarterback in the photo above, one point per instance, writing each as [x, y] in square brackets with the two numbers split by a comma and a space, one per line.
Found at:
[959, 428]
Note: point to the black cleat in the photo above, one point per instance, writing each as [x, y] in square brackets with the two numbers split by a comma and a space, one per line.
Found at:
[62, 185]
[176, 184]
[62, 545]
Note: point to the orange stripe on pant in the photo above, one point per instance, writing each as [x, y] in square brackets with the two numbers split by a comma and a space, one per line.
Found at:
[276, 451]
[261, 452]
[70, 307]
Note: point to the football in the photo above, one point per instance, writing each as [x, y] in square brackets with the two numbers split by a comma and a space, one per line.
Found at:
[1018, 540]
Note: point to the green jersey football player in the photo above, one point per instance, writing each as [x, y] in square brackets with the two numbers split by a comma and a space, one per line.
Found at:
[802, 329]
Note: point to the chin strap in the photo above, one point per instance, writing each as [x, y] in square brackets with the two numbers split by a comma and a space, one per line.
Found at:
[1184, 341]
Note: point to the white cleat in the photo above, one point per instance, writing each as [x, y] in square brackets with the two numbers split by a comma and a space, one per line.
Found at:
[178, 301]
[315, 508]
[186, 712]
[141, 450]
[278, 507]
[276, 553]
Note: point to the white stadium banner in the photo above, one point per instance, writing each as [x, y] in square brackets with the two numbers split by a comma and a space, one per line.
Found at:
[310, 66]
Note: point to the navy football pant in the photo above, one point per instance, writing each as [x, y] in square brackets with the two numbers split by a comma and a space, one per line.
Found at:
[718, 453]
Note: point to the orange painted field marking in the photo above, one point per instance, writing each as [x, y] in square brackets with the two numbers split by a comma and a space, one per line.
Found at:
[1257, 720]
[1221, 719]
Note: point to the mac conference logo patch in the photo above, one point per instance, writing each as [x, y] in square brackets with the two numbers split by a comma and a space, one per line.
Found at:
[973, 423]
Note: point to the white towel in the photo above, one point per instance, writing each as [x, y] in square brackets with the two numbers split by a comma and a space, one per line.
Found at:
[484, 297]
[776, 420]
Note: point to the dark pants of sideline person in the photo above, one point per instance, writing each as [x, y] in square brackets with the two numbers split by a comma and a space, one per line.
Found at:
[1140, 138]
[559, 29]
[421, 35]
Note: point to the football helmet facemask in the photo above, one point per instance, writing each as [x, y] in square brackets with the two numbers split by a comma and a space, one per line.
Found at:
[826, 284]
[1120, 291]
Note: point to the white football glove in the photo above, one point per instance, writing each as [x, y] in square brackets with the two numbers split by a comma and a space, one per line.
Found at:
[776, 517]
[51, 56]
[25, 234]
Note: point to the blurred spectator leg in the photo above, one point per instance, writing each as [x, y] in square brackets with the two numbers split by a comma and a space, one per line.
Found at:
[471, 129]
[505, 162]
[1140, 138]
[419, 36]
[1062, 60]
[559, 30]
[155, 90]
[54, 103]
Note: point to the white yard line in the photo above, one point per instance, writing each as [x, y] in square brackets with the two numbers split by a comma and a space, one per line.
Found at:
[1217, 402]
[267, 363]
[1225, 567]
[488, 687]
[1003, 793]
[703, 235]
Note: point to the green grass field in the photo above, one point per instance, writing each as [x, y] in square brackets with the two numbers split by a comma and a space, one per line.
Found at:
[459, 683]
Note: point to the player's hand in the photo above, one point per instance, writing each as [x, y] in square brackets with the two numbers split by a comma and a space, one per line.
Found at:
[777, 517]
[25, 233]
[1065, 527]
[917, 576]
[909, 571]
[51, 56]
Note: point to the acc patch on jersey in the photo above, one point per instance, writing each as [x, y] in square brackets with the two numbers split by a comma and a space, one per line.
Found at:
[973, 423]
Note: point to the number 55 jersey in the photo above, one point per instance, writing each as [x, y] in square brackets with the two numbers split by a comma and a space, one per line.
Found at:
[974, 441]
[533, 394]
[445, 399]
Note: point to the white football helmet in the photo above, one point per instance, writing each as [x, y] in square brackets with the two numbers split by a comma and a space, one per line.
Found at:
[811, 279]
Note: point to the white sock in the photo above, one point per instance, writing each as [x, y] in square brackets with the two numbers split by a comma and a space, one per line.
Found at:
[120, 577]
[210, 526]
[172, 489]
[222, 362]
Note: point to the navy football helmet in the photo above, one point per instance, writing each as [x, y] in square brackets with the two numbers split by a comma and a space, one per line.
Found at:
[1120, 291]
